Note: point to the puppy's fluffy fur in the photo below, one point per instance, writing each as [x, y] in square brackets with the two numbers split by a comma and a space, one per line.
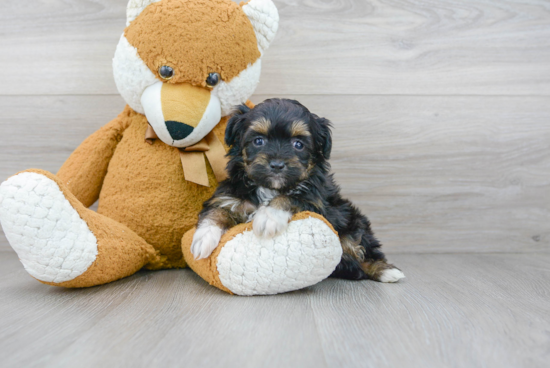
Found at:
[278, 167]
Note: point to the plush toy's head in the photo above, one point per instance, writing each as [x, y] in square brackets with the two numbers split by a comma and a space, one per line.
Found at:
[186, 63]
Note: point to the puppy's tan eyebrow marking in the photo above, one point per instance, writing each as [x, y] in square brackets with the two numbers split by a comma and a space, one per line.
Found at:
[261, 126]
[299, 128]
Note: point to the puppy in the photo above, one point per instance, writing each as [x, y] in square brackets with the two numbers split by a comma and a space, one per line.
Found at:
[278, 167]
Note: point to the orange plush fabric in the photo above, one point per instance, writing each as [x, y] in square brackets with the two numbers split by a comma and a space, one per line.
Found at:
[145, 189]
[194, 37]
[144, 200]
[85, 169]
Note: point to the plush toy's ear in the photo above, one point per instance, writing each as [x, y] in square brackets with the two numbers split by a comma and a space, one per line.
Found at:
[135, 7]
[264, 17]
[234, 126]
[324, 136]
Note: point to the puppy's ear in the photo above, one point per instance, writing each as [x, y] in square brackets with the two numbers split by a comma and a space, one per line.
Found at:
[323, 138]
[233, 130]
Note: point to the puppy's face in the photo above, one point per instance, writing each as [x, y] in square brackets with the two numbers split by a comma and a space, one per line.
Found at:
[280, 143]
[277, 154]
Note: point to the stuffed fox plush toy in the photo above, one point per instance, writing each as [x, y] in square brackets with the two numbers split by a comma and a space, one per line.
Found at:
[181, 65]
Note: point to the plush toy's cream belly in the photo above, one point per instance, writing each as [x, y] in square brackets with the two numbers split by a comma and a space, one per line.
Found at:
[145, 189]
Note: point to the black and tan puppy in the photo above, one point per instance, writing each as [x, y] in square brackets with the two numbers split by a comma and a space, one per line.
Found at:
[278, 167]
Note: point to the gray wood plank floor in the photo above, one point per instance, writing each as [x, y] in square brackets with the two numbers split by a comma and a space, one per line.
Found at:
[453, 310]
[442, 136]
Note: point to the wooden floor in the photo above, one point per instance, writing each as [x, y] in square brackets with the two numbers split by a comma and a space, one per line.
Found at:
[453, 310]
[442, 137]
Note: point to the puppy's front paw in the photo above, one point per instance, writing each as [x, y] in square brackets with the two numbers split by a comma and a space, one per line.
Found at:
[269, 222]
[206, 239]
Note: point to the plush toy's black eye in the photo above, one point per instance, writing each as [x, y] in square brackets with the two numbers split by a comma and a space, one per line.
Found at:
[298, 145]
[166, 72]
[213, 79]
[258, 142]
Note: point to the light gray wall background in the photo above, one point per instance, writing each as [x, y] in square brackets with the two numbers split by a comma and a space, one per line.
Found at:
[441, 108]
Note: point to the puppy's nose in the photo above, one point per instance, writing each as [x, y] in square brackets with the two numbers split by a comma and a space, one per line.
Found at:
[178, 130]
[277, 165]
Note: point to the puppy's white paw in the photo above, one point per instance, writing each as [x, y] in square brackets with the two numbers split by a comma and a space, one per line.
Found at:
[269, 222]
[392, 275]
[206, 239]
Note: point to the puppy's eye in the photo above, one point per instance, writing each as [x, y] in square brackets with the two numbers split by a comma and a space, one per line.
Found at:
[258, 142]
[298, 145]
[166, 72]
[212, 80]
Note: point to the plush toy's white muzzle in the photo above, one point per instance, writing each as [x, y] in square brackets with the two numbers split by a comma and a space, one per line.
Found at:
[180, 114]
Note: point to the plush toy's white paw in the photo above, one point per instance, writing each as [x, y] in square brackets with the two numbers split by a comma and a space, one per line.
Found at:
[206, 239]
[52, 241]
[305, 254]
[270, 222]
[392, 275]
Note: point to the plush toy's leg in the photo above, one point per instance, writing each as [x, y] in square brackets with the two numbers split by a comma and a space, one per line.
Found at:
[59, 241]
[242, 264]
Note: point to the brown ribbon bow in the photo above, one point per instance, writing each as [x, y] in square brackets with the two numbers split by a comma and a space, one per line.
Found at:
[192, 158]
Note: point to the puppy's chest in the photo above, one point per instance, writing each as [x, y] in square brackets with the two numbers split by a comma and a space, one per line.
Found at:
[266, 195]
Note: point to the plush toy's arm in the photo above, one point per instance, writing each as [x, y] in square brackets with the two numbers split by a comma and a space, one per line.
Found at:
[86, 167]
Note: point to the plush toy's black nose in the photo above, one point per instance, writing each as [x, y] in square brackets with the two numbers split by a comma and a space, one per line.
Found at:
[178, 130]
[277, 165]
